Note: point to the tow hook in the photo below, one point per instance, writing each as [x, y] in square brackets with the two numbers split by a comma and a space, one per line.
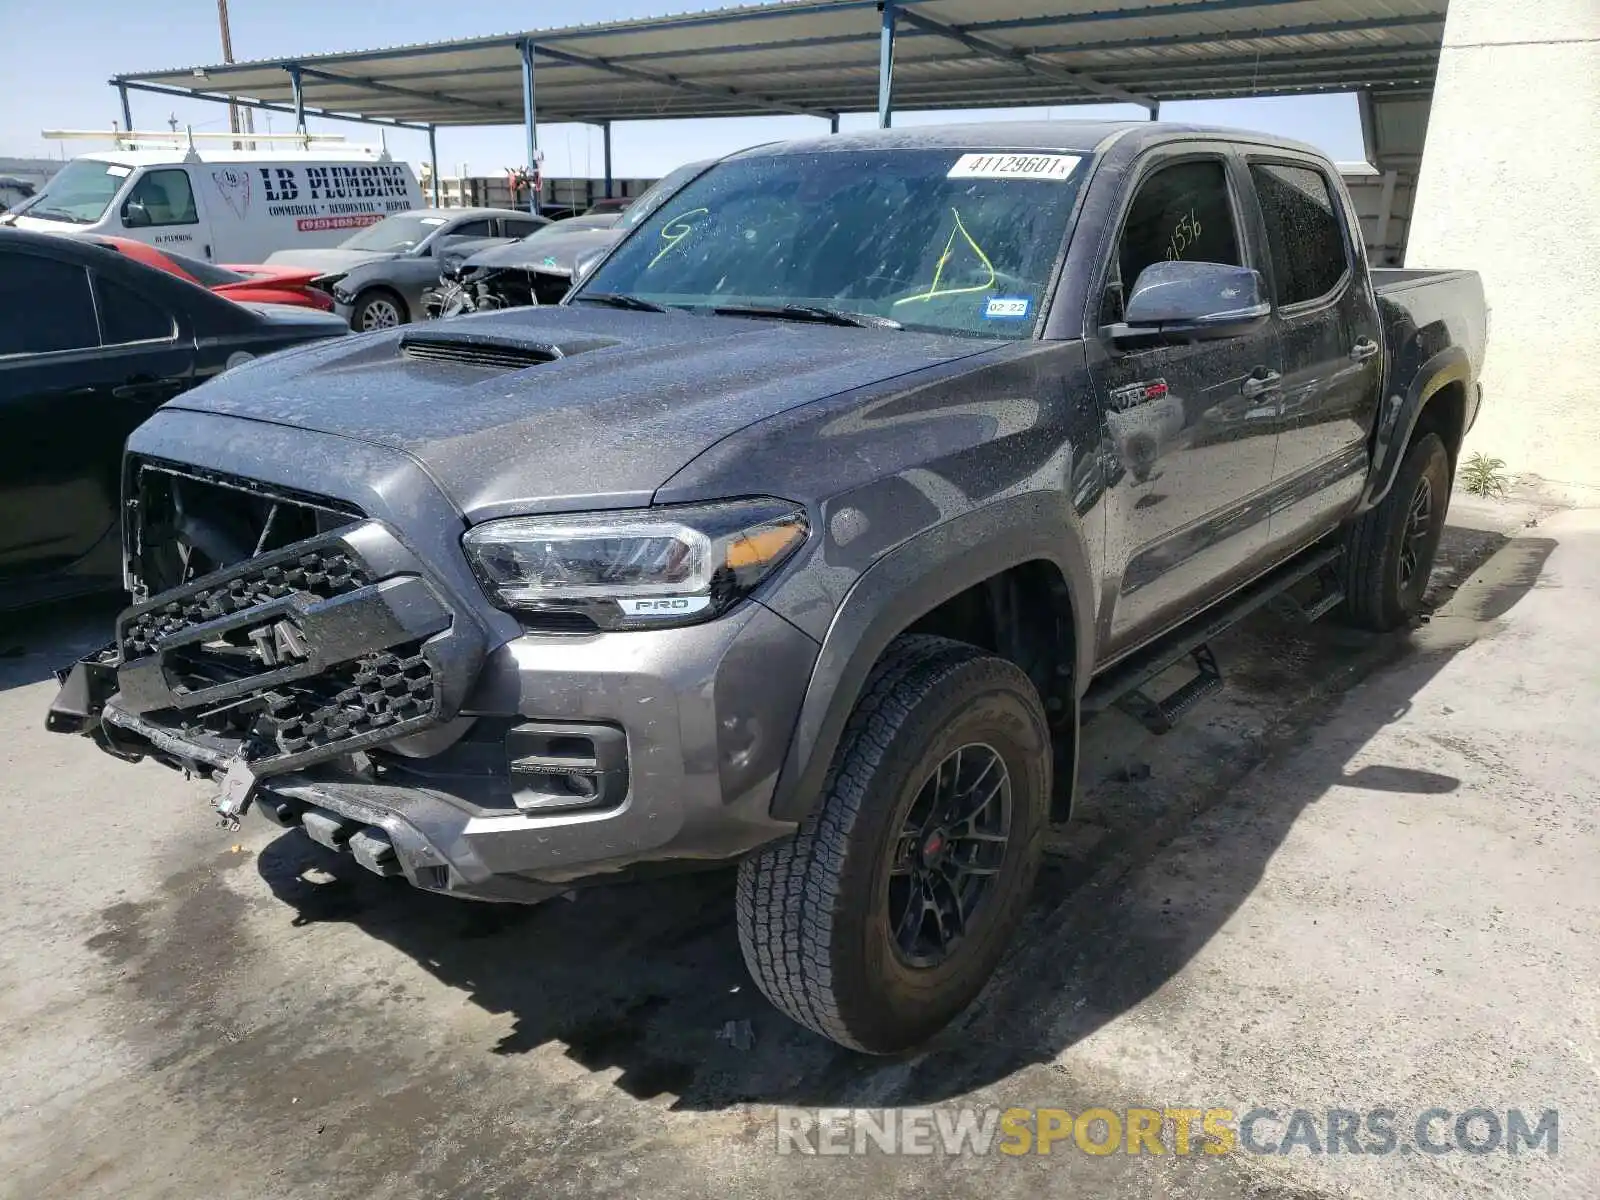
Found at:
[238, 789]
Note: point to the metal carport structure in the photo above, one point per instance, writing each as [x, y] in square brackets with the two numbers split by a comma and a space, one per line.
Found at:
[821, 58]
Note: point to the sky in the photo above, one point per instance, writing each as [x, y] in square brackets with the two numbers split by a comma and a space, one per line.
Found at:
[57, 57]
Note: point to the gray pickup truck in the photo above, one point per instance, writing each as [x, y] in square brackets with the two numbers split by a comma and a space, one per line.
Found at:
[804, 534]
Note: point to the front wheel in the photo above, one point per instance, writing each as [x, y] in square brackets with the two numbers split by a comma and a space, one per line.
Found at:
[885, 914]
[378, 308]
[1389, 549]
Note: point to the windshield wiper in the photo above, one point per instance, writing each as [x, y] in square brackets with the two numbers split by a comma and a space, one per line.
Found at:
[809, 312]
[58, 214]
[621, 300]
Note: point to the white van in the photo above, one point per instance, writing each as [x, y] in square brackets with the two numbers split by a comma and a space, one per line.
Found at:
[234, 206]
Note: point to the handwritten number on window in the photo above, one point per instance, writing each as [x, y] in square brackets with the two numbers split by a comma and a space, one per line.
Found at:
[1184, 236]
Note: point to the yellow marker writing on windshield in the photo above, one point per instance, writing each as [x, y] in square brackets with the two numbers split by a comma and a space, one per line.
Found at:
[675, 230]
[944, 258]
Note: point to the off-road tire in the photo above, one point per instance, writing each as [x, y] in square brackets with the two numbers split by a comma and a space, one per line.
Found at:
[812, 909]
[1378, 595]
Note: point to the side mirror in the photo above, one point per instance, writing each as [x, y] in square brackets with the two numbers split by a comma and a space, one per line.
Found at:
[1193, 301]
[134, 215]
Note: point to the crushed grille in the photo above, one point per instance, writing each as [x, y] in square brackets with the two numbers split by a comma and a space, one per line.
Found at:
[382, 689]
[322, 573]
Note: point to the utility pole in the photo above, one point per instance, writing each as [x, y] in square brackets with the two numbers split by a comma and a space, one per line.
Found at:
[240, 120]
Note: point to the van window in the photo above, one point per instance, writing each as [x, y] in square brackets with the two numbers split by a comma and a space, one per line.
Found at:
[126, 316]
[80, 192]
[165, 197]
[47, 305]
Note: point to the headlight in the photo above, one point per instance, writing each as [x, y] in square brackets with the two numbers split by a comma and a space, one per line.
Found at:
[633, 570]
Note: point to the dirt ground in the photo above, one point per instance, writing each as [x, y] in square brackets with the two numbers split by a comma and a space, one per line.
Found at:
[1363, 875]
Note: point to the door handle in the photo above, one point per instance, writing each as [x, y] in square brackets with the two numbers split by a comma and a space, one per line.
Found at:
[1363, 350]
[1260, 382]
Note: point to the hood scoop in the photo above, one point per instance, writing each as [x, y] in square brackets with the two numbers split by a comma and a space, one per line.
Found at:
[492, 351]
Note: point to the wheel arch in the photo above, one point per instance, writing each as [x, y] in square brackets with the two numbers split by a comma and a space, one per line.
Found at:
[1029, 553]
[1437, 400]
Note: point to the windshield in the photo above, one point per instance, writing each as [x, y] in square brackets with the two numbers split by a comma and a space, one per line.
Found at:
[396, 234]
[80, 192]
[945, 240]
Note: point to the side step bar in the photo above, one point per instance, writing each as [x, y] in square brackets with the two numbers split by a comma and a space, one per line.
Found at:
[1122, 685]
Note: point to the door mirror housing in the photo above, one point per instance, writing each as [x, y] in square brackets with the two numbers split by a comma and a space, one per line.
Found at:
[134, 215]
[1193, 301]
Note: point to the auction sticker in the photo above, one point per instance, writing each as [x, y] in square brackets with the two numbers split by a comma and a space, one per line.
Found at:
[1055, 168]
[1007, 308]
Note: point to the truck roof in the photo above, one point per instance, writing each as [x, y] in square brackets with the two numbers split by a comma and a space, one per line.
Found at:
[1071, 137]
[176, 154]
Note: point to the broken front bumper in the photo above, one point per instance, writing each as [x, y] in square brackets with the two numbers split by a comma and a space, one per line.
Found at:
[335, 686]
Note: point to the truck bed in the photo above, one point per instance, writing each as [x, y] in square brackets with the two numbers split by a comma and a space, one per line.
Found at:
[1424, 311]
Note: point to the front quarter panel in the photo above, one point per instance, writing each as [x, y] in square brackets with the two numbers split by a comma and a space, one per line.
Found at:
[918, 489]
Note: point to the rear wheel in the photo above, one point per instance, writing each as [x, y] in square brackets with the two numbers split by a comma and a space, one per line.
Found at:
[883, 917]
[1389, 550]
[378, 308]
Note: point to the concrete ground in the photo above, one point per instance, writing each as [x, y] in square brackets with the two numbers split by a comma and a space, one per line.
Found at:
[1363, 876]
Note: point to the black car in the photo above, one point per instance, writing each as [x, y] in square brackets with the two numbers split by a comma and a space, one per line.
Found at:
[91, 343]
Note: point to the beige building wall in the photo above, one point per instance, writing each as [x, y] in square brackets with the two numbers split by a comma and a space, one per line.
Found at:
[1510, 186]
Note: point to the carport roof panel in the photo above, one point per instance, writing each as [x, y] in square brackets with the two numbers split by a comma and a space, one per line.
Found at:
[821, 57]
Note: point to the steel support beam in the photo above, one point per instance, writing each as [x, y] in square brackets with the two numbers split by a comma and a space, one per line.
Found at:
[297, 91]
[373, 85]
[1369, 124]
[530, 119]
[886, 64]
[266, 106]
[715, 91]
[433, 161]
[605, 144]
[127, 112]
[1031, 63]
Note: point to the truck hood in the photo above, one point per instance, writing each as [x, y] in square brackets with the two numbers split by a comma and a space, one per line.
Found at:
[563, 409]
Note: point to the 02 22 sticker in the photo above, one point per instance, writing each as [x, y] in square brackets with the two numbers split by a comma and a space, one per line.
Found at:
[1007, 308]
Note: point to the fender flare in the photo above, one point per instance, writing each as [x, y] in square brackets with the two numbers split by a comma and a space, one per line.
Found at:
[1399, 418]
[910, 581]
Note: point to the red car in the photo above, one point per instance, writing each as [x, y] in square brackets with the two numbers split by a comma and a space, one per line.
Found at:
[252, 284]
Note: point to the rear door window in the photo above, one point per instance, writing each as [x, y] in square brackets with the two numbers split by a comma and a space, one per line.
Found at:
[128, 316]
[47, 305]
[1303, 231]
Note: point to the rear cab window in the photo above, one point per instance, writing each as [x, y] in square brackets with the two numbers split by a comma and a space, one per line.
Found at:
[1305, 231]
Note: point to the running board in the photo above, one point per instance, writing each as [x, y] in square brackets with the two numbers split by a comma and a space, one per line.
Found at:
[1122, 684]
[1160, 716]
